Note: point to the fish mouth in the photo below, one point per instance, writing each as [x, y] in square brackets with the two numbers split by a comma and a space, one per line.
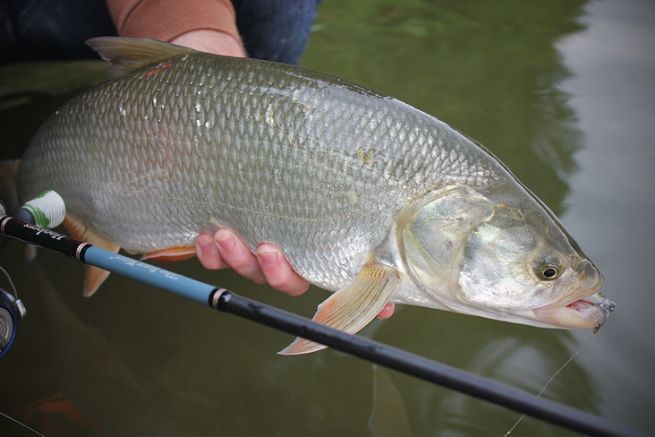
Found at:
[589, 312]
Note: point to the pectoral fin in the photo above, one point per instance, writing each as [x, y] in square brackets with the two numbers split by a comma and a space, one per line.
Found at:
[93, 276]
[352, 307]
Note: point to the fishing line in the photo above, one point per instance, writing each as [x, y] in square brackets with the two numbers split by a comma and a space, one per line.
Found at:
[12, 312]
[11, 282]
[21, 424]
[554, 375]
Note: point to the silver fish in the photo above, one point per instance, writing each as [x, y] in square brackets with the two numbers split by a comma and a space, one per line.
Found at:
[367, 196]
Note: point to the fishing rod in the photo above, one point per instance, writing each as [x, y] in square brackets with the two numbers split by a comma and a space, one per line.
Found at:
[33, 229]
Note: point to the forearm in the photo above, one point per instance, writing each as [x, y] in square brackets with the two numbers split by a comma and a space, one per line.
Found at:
[207, 25]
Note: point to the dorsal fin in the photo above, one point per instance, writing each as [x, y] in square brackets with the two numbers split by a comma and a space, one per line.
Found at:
[129, 54]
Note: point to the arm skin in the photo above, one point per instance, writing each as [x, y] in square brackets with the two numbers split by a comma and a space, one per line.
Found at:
[212, 41]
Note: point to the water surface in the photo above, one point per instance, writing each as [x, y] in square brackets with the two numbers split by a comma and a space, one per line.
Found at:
[562, 91]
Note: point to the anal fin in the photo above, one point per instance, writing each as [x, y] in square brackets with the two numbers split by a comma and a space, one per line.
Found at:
[177, 253]
[352, 307]
[93, 276]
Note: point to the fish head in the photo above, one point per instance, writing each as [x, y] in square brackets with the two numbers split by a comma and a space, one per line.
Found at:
[501, 255]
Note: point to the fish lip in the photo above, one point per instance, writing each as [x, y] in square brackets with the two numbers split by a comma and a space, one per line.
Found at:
[592, 293]
[588, 310]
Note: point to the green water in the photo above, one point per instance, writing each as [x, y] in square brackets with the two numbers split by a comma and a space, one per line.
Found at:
[562, 91]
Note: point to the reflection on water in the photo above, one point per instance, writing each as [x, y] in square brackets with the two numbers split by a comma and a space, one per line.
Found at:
[489, 69]
[30, 92]
[134, 360]
[388, 413]
[521, 356]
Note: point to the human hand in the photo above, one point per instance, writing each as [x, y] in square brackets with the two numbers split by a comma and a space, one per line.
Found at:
[266, 265]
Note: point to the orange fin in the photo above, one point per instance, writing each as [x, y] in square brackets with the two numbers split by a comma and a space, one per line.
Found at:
[127, 55]
[93, 277]
[352, 307]
[177, 253]
[30, 252]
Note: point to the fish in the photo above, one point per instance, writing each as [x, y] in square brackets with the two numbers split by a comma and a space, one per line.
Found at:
[368, 197]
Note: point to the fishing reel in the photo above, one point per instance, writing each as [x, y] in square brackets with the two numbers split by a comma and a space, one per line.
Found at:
[12, 312]
[47, 210]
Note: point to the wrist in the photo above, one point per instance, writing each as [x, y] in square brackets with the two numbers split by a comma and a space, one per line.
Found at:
[212, 41]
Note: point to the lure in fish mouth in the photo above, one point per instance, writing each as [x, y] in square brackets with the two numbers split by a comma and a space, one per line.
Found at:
[588, 312]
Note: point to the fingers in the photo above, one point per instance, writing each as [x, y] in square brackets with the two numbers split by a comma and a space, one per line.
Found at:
[225, 249]
[238, 256]
[387, 311]
[268, 265]
[278, 272]
[207, 252]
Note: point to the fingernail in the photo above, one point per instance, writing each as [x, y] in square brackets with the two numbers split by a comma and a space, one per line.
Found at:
[225, 239]
[267, 255]
[387, 311]
[204, 241]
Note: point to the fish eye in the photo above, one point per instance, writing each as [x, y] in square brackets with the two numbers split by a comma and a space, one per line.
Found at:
[549, 272]
[549, 269]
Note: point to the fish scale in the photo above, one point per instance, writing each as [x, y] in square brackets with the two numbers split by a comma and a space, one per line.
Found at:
[311, 163]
